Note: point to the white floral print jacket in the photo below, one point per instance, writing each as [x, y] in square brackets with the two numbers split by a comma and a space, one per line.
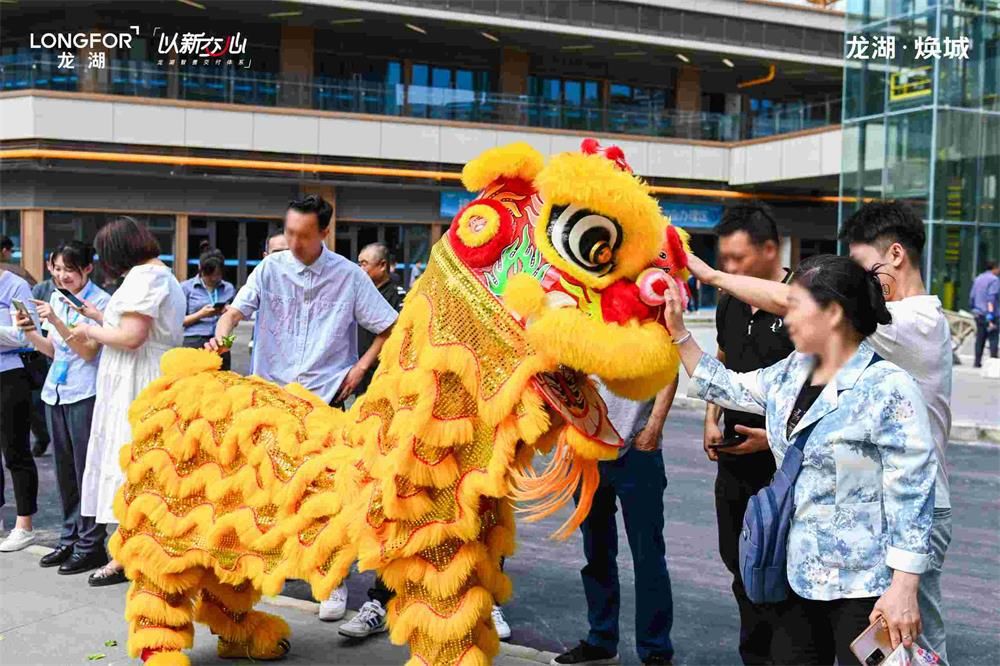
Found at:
[865, 496]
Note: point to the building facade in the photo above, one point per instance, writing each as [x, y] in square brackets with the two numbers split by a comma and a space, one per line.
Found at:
[376, 105]
[926, 129]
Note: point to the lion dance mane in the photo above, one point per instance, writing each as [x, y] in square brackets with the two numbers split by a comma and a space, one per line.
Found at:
[554, 273]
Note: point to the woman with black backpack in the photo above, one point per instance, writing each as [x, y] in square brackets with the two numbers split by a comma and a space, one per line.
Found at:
[841, 535]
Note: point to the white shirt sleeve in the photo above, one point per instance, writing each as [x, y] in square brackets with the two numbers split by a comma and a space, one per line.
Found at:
[372, 312]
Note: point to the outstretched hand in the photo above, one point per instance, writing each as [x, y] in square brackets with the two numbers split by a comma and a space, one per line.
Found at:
[700, 269]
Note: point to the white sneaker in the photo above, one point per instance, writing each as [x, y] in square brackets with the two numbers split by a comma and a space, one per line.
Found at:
[370, 620]
[335, 607]
[18, 539]
[500, 622]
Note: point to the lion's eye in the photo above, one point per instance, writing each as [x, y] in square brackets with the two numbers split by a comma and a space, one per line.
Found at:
[588, 239]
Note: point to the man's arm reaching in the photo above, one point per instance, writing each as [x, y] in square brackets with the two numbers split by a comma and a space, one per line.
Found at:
[766, 295]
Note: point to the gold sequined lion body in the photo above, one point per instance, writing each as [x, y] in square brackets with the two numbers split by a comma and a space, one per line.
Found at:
[553, 273]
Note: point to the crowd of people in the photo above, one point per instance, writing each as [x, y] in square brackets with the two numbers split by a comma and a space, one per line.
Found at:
[843, 364]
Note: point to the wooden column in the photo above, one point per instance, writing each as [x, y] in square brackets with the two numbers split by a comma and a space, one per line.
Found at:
[328, 192]
[436, 230]
[689, 89]
[298, 46]
[33, 242]
[181, 226]
[515, 65]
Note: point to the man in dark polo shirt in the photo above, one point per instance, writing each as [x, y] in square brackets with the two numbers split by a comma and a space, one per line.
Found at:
[748, 339]
[375, 260]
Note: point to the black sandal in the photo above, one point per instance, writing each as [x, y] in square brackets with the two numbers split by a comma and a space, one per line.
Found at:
[107, 576]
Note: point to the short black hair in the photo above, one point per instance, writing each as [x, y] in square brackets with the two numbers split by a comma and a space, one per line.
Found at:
[882, 223]
[834, 279]
[991, 264]
[6, 243]
[314, 203]
[753, 218]
[124, 243]
[211, 259]
[76, 255]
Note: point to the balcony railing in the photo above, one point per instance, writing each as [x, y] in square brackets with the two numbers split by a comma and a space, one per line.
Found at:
[143, 79]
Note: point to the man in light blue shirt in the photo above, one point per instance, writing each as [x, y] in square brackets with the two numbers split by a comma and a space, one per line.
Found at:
[309, 301]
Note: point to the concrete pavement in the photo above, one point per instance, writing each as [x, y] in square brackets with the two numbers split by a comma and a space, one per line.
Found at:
[50, 619]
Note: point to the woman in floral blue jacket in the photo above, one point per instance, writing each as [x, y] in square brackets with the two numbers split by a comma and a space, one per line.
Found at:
[859, 537]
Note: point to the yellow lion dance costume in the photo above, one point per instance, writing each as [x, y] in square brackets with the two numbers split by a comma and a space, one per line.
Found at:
[554, 272]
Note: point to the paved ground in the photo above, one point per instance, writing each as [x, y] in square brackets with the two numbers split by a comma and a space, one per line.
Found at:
[548, 609]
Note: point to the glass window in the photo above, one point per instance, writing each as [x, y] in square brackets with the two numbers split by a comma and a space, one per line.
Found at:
[620, 93]
[961, 79]
[419, 75]
[463, 79]
[957, 170]
[908, 158]
[10, 226]
[441, 78]
[573, 92]
[394, 72]
[62, 226]
[952, 263]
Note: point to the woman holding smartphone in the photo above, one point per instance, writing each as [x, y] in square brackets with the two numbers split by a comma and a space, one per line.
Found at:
[860, 534]
[69, 394]
[15, 406]
[207, 297]
[143, 319]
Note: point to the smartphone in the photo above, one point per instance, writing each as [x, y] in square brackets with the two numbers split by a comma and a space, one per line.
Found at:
[873, 646]
[728, 442]
[69, 296]
[219, 307]
[21, 307]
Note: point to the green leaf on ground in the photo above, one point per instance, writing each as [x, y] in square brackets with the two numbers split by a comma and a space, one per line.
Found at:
[111, 643]
[96, 657]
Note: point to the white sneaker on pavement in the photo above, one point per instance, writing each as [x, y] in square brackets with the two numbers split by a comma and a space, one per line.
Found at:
[500, 622]
[18, 539]
[370, 620]
[335, 607]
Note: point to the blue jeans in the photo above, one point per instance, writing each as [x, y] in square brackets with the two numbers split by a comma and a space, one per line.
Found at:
[929, 592]
[637, 480]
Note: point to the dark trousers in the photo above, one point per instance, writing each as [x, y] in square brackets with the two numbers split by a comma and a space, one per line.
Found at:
[15, 429]
[984, 334]
[813, 633]
[637, 480]
[732, 493]
[70, 429]
[199, 341]
[39, 427]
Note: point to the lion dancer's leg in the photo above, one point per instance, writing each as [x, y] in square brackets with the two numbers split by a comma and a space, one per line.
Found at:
[445, 594]
[244, 633]
[160, 611]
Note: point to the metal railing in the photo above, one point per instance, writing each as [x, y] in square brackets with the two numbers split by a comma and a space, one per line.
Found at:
[144, 79]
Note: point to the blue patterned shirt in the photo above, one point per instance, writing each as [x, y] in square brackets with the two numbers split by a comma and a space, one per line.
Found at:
[865, 497]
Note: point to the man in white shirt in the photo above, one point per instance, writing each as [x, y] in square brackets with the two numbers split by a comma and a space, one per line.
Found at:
[887, 237]
[309, 301]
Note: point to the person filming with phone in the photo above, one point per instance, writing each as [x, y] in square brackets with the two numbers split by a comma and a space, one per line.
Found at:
[69, 394]
[847, 517]
[208, 296]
